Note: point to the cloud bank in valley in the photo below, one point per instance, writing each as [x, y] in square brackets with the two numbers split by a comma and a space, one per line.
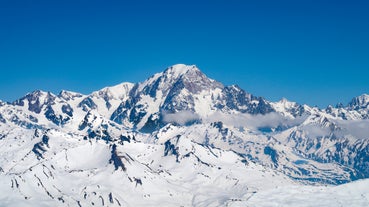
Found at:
[356, 128]
[181, 117]
[271, 120]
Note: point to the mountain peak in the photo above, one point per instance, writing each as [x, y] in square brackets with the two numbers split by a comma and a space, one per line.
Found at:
[180, 69]
[68, 95]
[361, 101]
[36, 100]
[364, 97]
[39, 94]
[119, 91]
[286, 103]
[176, 77]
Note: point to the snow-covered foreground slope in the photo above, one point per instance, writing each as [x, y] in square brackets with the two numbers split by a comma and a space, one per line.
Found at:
[180, 139]
[140, 170]
[352, 194]
[79, 172]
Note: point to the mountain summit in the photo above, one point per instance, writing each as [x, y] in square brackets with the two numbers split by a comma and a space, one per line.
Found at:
[152, 143]
[183, 88]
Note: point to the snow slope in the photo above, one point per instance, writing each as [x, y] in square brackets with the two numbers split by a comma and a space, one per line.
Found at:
[180, 138]
[351, 194]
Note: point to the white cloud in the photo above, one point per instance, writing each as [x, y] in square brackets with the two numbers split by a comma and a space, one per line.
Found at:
[181, 117]
[253, 121]
[357, 128]
[316, 131]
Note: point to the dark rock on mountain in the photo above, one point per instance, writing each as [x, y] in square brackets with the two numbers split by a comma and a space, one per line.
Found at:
[116, 159]
[87, 104]
[36, 100]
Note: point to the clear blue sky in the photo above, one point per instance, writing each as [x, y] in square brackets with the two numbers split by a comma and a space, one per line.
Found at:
[314, 52]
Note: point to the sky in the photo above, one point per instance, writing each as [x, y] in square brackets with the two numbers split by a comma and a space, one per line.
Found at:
[313, 52]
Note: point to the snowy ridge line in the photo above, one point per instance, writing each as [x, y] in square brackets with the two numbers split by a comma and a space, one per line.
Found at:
[180, 138]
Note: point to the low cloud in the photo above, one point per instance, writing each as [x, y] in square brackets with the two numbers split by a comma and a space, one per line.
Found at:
[181, 117]
[271, 120]
[314, 130]
[356, 128]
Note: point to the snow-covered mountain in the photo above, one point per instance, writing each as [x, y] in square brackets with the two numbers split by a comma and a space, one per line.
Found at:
[183, 88]
[178, 138]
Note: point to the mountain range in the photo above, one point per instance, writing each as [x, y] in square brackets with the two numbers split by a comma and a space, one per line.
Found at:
[180, 138]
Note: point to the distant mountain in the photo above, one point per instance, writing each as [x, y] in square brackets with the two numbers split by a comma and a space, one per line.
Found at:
[178, 138]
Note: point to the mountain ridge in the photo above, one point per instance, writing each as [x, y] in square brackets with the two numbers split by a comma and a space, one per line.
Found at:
[177, 128]
[181, 69]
